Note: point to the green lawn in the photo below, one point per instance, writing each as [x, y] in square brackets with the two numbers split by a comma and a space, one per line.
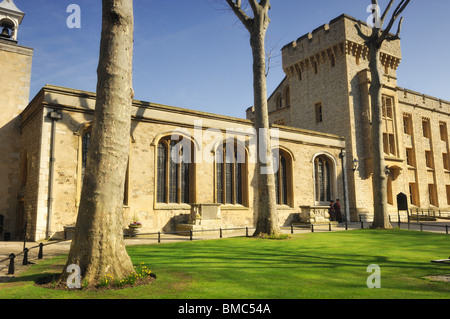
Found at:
[312, 265]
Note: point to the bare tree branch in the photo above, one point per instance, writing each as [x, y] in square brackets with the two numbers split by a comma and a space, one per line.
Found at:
[255, 6]
[360, 33]
[265, 3]
[401, 6]
[397, 35]
[270, 54]
[385, 13]
[236, 7]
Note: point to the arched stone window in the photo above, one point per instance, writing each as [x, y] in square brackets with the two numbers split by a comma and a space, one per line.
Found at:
[283, 177]
[324, 179]
[287, 96]
[231, 173]
[174, 170]
[7, 29]
[279, 101]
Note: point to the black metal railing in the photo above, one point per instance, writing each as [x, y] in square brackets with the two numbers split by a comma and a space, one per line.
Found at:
[415, 223]
[427, 214]
[11, 258]
[190, 233]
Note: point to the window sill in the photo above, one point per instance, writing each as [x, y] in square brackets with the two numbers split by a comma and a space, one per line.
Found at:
[284, 207]
[233, 207]
[392, 157]
[172, 206]
[321, 204]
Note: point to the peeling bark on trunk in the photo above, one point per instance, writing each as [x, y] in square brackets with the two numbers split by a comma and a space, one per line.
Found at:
[375, 42]
[267, 220]
[267, 215]
[379, 181]
[98, 247]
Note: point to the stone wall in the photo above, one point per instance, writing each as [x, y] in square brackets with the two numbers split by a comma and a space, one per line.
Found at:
[15, 64]
[436, 111]
[329, 68]
[150, 123]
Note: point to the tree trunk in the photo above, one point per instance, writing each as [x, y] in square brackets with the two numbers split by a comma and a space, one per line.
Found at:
[98, 247]
[378, 163]
[374, 42]
[267, 220]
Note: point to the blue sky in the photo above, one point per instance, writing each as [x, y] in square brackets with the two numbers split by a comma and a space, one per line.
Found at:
[196, 54]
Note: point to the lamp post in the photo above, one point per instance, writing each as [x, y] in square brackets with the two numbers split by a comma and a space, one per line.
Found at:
[342, 155]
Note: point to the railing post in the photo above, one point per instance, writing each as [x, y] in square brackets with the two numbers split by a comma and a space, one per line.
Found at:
[421, 229]
[159, 237]
[329, 226]
[11, 264]
[446, 229]
[25, 256]
[190, 235]
[362, 224]
[292, 229]
[221, 232]
[346, 226]
[246, 231]
[312, 228]
[41, 254]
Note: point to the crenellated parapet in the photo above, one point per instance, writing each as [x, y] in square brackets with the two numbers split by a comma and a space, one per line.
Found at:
[423, 101]
[332, 41]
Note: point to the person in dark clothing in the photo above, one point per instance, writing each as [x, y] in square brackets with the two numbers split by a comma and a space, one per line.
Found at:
[337, 211]
[331, 211]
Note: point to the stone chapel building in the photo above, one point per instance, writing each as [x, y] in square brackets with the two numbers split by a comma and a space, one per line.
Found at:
[44, 141]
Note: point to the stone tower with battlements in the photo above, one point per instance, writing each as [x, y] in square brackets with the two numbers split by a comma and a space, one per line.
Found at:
[326, 89]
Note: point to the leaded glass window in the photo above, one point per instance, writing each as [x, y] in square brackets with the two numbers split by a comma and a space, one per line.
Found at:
[173, 172]
[230, 161]
[323, 181]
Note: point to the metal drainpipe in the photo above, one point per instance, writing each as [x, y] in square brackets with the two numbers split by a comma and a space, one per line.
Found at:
[344, 179]
[54, 116]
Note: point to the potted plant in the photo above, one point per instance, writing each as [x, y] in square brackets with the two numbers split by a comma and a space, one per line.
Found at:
[135, 224]
[135, 227]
